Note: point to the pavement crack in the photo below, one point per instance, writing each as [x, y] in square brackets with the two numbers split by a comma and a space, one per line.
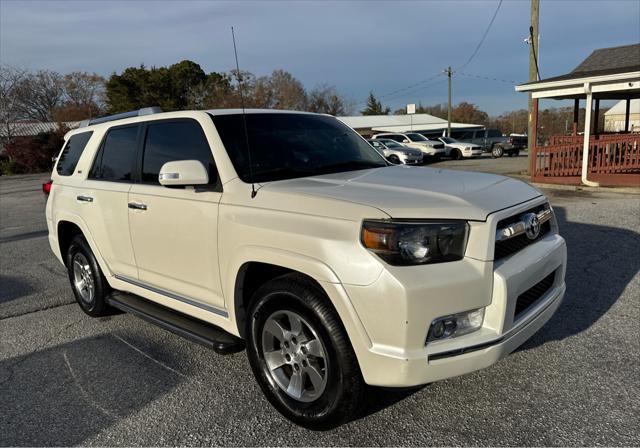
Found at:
[84, 393]
[146, 355]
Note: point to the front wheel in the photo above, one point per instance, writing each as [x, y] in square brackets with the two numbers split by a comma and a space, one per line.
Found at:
[497, 152]
[394, 159]
[456, 154]
[300, 354]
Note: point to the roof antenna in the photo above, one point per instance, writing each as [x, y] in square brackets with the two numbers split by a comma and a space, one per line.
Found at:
[244, 117]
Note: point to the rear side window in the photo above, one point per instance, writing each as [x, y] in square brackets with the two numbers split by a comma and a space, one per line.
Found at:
[175, 140]
[71, 153]
[117, 155]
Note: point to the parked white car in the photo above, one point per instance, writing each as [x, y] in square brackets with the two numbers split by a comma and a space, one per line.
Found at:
[396, 152]
[432, 149]
[457, 150]
[334, 268]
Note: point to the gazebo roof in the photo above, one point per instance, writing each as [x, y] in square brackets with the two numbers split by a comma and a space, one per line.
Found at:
[603, 61]
[608, 73]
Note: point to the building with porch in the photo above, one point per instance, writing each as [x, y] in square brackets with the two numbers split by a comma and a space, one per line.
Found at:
[591, 156]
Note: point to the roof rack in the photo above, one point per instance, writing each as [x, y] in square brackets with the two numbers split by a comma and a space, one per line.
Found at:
[121, 116]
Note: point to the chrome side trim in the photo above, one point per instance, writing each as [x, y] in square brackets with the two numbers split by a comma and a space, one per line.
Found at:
[520, 227]
[188, 301]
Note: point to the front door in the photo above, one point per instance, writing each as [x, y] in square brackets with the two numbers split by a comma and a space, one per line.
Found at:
[174, 230]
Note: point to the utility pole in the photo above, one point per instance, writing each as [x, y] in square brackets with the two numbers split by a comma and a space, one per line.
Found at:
[534, 51]
[448, 72]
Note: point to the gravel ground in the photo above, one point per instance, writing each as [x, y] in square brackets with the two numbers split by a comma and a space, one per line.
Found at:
[67, 379]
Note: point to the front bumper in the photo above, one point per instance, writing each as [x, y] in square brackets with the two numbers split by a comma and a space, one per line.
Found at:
[473, 153]
[398, 308]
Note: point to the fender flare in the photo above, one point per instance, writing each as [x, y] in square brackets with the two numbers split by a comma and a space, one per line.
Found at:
[309, 266]
[78, 221]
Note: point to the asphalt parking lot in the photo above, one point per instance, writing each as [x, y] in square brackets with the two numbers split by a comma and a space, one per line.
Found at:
[67, 379]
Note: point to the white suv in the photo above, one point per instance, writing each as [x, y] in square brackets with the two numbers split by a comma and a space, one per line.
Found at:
[288, 233]
[432, 149]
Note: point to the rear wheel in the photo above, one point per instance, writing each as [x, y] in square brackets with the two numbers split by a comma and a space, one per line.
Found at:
[497, 152]
[300, 354]
[87, 281]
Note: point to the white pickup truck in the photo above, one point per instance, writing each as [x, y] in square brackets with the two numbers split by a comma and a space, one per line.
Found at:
[288, 234]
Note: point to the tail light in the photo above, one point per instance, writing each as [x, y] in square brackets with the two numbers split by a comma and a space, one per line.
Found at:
[46, 187]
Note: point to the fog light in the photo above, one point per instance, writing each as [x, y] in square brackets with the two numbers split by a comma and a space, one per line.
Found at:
[456, 325]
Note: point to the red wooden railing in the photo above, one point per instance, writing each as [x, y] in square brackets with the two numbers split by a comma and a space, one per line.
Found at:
[613, 157]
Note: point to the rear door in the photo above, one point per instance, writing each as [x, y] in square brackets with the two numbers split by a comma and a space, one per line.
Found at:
[174, 230]
[103, 198]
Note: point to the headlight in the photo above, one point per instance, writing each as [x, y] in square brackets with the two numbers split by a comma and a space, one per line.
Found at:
[402, 243]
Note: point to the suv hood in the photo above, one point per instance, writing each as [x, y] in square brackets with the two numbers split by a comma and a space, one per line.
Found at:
[410, 192]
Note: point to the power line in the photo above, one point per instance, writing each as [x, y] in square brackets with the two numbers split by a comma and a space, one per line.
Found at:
[484, 36]
[404, 89]
[533, 46]
[488, 78]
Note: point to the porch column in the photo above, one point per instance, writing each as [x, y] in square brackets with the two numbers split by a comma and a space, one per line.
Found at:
[596, 118]
[587, 136]
[576, 112]
[626, 115]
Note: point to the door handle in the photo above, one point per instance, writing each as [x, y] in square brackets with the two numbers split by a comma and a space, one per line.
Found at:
[83, 198]
[137, 206]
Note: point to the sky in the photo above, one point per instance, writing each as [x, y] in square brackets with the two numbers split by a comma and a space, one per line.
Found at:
[357, 46]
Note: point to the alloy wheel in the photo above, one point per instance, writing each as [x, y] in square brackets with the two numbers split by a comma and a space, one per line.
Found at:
[83, 278]
[294, 355]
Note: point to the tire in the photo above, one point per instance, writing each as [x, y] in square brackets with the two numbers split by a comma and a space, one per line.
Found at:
[87, 281]
[331, 385]
[456, 154]
[394, 159]
[497, 152]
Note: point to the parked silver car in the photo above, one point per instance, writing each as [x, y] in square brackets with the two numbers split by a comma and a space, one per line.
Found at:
[397, 153]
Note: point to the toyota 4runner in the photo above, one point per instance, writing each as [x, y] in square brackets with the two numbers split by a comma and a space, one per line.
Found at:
[288, 234]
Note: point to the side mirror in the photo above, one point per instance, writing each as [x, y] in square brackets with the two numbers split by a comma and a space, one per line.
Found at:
[183, 172]
[406, 141]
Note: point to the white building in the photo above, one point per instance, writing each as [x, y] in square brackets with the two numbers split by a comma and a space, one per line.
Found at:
[614, 118]
[368, 125]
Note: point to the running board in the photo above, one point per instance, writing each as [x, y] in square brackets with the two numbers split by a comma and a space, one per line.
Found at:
[188, 327]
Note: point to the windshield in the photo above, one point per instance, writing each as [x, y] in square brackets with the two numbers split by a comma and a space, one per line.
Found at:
[448, 140]
[289, 145]
[393, 144]
[417, 137]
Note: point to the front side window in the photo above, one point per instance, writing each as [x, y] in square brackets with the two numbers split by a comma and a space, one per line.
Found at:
[175, 140]
[289, 145]
[494, 133]
[116, 157]
[71, 153]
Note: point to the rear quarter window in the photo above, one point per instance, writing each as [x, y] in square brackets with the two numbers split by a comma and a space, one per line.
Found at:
[71, 153]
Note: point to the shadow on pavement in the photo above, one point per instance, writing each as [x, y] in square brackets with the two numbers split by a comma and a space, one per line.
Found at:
[601, 262]
[66, 394]
[12, 288]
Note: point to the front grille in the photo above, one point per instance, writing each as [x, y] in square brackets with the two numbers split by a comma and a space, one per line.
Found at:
[533, 294]
[512, 245]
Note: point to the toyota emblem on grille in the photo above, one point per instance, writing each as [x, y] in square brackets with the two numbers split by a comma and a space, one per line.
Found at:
[531, 225]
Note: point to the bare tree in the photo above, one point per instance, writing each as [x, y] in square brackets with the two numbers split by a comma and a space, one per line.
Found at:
[287, 91]
[325, 99]
[84, 92]
[10, 80]
[40, 93]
